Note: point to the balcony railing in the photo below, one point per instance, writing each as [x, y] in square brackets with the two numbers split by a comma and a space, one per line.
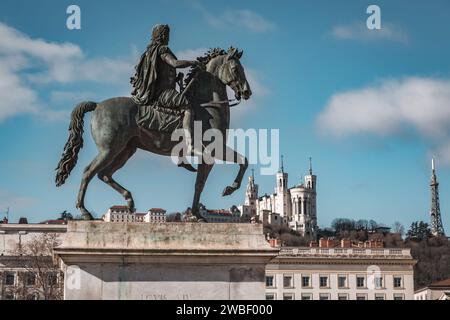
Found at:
[330, 252]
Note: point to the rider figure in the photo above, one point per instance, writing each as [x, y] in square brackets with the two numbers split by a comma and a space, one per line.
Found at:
[155, 80]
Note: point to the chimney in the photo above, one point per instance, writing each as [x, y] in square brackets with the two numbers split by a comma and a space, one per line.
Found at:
[330, 243]
[313, 244]
[346, 243]
[376, 243]
[23, 220]
[275, 243]
[323, 243]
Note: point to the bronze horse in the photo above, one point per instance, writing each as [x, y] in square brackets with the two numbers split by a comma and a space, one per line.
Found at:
[117, 135]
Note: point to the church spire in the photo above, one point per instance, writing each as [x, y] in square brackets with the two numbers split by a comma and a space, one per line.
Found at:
[310, 166]
[282, 164]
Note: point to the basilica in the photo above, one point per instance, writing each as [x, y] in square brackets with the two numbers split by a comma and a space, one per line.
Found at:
[295, 207]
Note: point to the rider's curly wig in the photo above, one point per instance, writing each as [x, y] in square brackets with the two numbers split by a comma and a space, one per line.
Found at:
[160, 32]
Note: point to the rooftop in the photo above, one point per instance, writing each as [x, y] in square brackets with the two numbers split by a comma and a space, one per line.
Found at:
[119, 208]
[219, 212]
[442, 283]
[157, 210]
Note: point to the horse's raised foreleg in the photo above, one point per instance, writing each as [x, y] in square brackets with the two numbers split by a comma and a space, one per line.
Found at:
[231, 155]
[103, 159]
[106, 174]
[203, 171]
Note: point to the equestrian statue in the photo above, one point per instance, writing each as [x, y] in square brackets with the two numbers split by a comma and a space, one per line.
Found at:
[155, 110]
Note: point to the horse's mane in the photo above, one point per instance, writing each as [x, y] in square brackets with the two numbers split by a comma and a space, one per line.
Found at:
[207, 57]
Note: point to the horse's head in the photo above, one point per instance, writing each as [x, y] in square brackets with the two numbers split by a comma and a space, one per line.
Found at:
[231, 73]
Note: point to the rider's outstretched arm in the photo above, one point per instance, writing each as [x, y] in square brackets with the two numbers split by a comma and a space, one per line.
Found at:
[171, 60]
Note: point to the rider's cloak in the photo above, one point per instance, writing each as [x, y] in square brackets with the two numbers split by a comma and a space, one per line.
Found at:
[144, 81]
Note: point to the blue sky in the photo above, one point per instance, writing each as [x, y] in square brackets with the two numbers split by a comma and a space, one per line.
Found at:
[370, 107]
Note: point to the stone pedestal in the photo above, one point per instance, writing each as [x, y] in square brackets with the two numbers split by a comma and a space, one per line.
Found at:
[175, 261]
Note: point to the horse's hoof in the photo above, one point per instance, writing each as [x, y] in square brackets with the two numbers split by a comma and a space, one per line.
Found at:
[228, 191]
[87, 217]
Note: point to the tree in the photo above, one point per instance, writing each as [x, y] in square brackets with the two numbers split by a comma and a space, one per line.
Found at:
[42, 276]
[433, 260]
[343, 224]
[362, 224]
[397, 227]
[419, 230]
[373, 225]
[66, 216]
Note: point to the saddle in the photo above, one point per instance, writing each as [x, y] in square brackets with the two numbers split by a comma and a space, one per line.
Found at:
[165, 114]
[157, 118]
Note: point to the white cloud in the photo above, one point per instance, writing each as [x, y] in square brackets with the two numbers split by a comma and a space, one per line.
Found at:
[15, 97]
[191, 54]
[237, 18]
[393, 107]
[59, 97]
[26, 63]
[245, 18]
[359, 31]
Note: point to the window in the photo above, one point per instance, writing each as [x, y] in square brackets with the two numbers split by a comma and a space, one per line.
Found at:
[52, 279]
[342, 281]
[343, 296]
[398, 296]
[287, 282]
[323, 281]
[269, 282]
[398, 283]
[288, 296]
[378, 282]
[361, 297]
[360, 282]
[30, 279]
[324, 296]
[270, 296]
[9, 296]
[306, 296]
[306, 281]
[10, 279]
[379, 296]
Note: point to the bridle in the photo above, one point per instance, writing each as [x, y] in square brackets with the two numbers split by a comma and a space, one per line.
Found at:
[230, 102]
[217, 104]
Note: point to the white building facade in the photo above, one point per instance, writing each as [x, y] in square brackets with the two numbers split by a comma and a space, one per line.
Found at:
[341, 274]
[155, 215]
[439, 290]
[121, 214]
[17, 279]
[220, 216]
[297, 206]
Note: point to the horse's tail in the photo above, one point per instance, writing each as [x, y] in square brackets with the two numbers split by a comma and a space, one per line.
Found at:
[74, 143]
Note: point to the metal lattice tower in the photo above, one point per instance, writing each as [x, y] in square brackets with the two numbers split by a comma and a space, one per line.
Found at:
[437, 228]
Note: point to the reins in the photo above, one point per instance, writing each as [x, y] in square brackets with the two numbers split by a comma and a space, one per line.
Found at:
[218, 104]
[215, 104]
